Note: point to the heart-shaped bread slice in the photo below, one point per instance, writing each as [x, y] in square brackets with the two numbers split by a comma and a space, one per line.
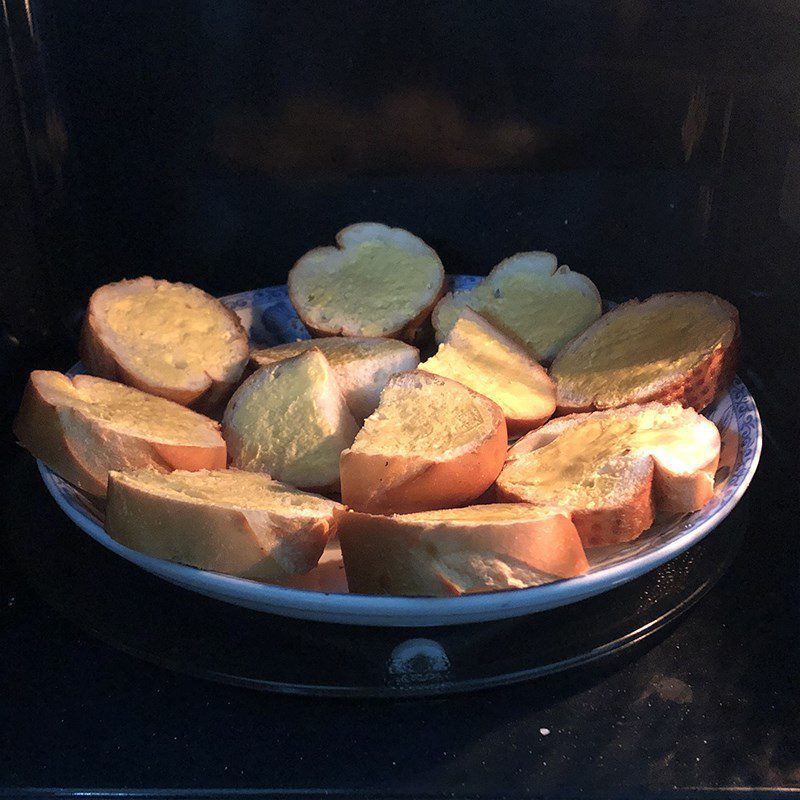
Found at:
[82, 427]
[611, 470]
[362, 365]
[378, 281]
[461, 550]
[679, 346]
[529, 298]
[290, 420]
[476, 354]
[169, 339]
[239, 523]
[432, 443]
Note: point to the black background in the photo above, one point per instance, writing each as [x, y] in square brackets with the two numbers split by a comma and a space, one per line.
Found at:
[652, 146]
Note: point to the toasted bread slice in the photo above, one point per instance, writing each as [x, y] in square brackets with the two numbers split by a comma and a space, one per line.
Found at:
[461, 550]
[612, 469]
[476, 354]
[169, 339]
[361, 365]
[529, 298]
[290, 420]
[378, 281]
[239, 523]
[680, 346]
[82, 427]
[432, 443]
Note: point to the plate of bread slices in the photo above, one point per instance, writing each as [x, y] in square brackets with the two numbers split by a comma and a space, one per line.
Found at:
[378, 443]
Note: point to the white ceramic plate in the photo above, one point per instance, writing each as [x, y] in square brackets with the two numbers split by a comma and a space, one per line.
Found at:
[271, 319]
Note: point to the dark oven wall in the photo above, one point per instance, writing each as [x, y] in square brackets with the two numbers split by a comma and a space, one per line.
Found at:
[651, 147]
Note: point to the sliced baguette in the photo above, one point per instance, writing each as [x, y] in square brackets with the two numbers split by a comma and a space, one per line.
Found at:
[361, 365]
[458, 551]
[290, 420]
[529, 298]
[476, 354]
[611, 470]
[432, 443]
[169, 339]
[239, 523]
[82, 427]
[680, 346]
[377, 281]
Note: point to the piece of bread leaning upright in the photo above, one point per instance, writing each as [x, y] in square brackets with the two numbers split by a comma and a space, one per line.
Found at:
[476, 354]
[362, 365]
[290, 420]
[678, 346]
[432, 443]
[172, 340]
[377, 281]
[530, 298]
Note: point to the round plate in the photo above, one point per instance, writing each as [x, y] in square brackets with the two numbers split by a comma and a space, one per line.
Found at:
[269, 316]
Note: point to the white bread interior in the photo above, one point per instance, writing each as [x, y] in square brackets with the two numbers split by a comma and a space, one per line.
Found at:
[432, 443]
[169, 339]
[679, 346]
[361, 365]
[478, 355]
[290, 420]
[529, 298]
[459, 551]
[82, 427]
[377, 281]
[238, 523]
[611, 470]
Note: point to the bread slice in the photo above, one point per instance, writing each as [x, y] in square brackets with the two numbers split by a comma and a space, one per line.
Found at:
[239, 523]
[432, 443]
[479, 356]
[377, 281]
[530, 298]
[290, 420]
[82, 427]
[458, 551]
[680, 346]
[169, 339]
[361, 365]
[612, 469]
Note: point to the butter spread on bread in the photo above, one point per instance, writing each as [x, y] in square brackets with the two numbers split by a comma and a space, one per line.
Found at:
[529, 298]
[677, 346]
[457, 551]
[377, 281]
[479, 356]
[169, 339]
[611, 470]
[431, 443]
[239, 523]
[82, 427]
[290, 420]
[361, 365]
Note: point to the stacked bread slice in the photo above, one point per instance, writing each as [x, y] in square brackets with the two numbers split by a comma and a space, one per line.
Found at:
[531, 299]
[479, 356]
[361, 365]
